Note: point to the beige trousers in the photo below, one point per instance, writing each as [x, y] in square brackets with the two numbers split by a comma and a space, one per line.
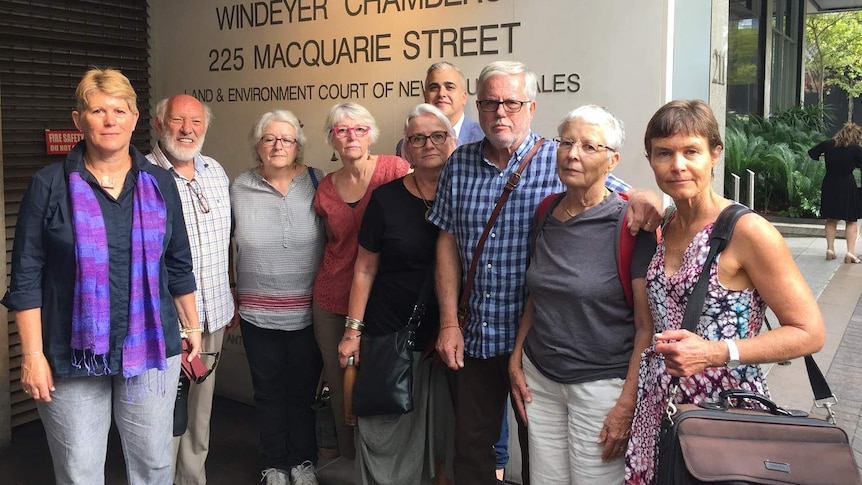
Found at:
[191, 449]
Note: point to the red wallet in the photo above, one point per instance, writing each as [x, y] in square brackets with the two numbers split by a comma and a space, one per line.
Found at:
[195, 370]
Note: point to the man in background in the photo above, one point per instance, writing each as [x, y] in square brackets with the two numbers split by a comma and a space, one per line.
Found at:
[181, 123]
[446, 88]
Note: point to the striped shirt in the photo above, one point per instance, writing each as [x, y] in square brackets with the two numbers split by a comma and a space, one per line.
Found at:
[468, 189]
[279, 245]
[209, 235]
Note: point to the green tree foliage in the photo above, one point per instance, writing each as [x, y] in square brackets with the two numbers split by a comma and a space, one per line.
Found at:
[835, 53]
[787, 181]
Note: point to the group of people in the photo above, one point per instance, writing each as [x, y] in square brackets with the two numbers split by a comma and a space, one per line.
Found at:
[584, 345]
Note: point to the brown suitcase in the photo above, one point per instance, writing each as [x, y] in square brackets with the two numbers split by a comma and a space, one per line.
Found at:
[710, 444]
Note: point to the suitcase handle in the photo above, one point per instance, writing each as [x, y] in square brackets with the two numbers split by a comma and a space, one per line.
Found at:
[773, 408]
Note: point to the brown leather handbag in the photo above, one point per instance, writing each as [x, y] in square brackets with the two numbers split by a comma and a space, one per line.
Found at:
[718, 443]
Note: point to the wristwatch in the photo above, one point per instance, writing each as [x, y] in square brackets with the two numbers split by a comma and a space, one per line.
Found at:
[733, 354]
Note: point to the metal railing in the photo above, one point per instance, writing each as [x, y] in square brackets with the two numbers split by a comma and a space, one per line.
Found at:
[736, 186]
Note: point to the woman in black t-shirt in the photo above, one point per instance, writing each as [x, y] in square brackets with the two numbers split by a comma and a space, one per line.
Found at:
[396, 255]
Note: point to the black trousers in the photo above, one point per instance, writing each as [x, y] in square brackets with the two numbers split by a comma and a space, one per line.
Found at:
[285, 367]
[480, 393]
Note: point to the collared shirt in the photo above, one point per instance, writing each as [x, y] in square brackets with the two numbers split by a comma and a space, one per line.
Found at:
[209, 235]
[457, 128]
[43, 258]
[468, 189]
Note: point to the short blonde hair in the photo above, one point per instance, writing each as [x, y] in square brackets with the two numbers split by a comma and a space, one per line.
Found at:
[108, 81]
[354, 111]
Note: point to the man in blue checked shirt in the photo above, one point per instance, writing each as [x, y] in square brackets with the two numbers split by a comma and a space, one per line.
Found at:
[470, 184]
[181, 124]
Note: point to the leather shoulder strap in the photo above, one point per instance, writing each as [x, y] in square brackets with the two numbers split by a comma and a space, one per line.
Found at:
[514, 179]
[721, 233]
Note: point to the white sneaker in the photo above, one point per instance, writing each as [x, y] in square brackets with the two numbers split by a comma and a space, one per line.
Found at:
[304, 474]
[275, 476]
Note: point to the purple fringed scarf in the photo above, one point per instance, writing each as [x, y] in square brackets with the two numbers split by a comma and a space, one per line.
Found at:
[144, 345]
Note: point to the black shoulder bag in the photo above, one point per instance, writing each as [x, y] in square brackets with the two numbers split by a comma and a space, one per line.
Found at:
[384, 381]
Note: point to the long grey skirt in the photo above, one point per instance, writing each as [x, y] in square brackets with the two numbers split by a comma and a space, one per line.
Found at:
[402, 449]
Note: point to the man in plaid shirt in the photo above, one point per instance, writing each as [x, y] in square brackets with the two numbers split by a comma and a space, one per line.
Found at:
[470, 184]
[181, 124]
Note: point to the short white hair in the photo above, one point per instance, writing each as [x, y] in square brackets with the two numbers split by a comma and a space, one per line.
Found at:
[510, 68]
[596, 115]
[429, 109]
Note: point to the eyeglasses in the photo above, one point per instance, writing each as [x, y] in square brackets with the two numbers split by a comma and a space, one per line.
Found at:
[269, 140]
[419, 141]
[195, 187]
[587, 147]
[343, 131]
[199, 378]
[510, 105]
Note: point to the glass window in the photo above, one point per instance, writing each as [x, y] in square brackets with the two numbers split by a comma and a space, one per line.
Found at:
[744, 58]
[785, 85]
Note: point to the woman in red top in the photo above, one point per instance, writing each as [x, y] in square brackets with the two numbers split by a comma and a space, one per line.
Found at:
[341, 201]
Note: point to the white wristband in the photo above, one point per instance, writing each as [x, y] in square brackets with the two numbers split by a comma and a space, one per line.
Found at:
[733, 354]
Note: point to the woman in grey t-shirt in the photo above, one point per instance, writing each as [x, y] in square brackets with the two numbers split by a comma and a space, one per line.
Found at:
[574, 369]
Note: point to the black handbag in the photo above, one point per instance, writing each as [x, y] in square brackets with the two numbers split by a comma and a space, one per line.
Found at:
[384, 381]
[715, 442]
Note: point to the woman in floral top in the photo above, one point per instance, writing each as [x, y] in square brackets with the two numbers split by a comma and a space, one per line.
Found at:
[756, 270]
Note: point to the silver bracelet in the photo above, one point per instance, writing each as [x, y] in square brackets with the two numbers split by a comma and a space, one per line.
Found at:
[354, 324]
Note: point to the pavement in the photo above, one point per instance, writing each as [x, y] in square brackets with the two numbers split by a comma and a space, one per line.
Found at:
[838, 288]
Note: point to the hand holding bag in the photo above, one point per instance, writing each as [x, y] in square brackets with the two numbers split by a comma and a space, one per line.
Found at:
[714, 442]
[195, 371]
[384, 381]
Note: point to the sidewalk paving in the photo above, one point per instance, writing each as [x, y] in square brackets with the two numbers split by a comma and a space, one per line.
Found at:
[837, 287]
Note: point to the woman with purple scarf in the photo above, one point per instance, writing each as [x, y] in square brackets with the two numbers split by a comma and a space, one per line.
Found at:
[101, 276]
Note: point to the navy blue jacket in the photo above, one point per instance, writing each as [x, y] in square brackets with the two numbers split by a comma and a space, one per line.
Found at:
[43, 258]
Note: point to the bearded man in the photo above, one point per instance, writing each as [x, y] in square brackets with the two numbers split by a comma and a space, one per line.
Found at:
[181, 123]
